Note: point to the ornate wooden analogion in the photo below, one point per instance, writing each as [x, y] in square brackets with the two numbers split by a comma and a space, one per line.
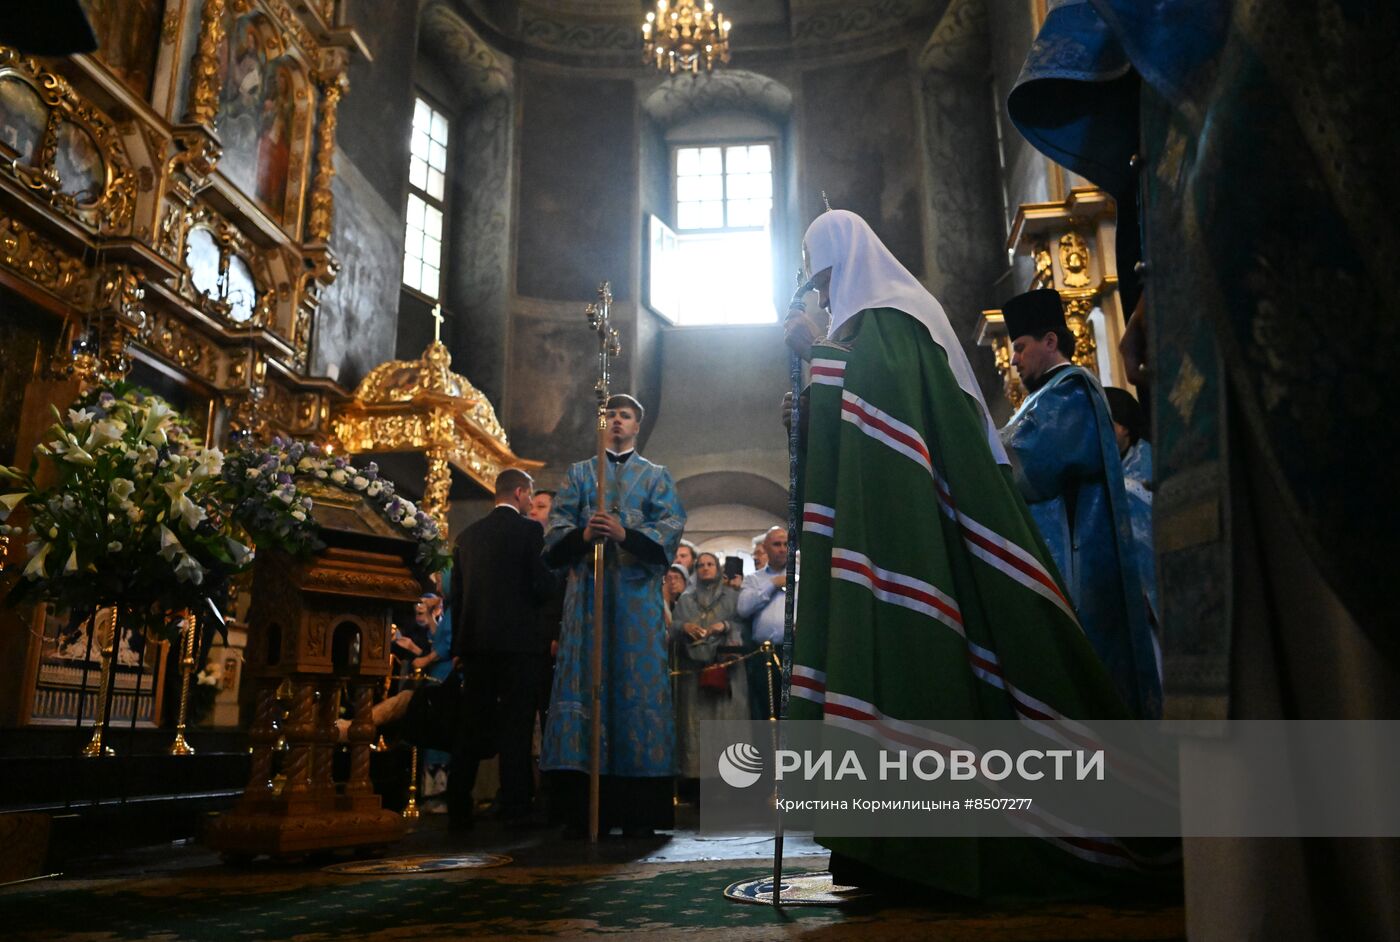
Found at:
[318, 645]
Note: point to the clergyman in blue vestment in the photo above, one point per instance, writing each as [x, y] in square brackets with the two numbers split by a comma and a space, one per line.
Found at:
[640, 521]
[1065, 460]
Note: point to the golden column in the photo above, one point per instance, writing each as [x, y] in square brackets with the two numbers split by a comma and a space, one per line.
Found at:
[333, 84]
[205, 85]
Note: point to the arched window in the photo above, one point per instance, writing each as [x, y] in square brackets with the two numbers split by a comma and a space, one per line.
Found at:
[711, 244]
[427, 196]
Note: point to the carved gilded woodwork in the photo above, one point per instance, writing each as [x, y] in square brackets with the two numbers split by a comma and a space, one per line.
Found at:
[82, 171]
[121, 171]
[1044, 276]
[301, 609]
[1074, 260]
[36, 259]
[1086, 351]
[184, 347]
[332, 83]
[206, 84]
[1061, 239]
[421, 405]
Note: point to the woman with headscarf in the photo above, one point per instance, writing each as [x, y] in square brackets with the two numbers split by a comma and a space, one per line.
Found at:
[708, 688]
[943, 604]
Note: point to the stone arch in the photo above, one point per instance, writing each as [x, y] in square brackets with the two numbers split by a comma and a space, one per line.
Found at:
[733, 487]
[476, 69]
[686, 97]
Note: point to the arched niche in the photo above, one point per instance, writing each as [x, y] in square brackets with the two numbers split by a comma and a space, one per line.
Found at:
[733, 487]
[477, 71]
[684, 98]
[347, 648]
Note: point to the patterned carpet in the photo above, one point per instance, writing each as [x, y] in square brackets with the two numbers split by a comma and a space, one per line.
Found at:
[641, 900]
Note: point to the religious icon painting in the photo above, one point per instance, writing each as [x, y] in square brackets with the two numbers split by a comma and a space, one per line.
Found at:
[82, 172]
[69, 672]
[264, 117]
[22, 119]
[128, 38]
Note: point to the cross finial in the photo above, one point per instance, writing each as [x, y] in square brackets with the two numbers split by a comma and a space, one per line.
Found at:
[826, 202]
[437, 323]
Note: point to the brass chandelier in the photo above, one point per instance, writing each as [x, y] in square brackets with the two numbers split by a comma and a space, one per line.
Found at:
[679, 35]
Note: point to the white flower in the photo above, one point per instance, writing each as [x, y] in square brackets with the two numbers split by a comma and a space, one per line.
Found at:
[374, 488]
[180, 504]
[187, 570]
[169, 543]
[105, 432]
[158, 415]
[8, 502]
[122, 488]
[209, 463]
[115, 546]
[306, 463]
[240, 553]
[253, 473]
[80, 418]
[321, 473]
[298, 515]
[69, 450]
[339, 476]
[35, 569]
[133, 513]
[359, 482]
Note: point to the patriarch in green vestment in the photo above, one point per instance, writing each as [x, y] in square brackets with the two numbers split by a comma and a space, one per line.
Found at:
[944, 605]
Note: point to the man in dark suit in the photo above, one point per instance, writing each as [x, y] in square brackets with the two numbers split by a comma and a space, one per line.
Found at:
[499, 582]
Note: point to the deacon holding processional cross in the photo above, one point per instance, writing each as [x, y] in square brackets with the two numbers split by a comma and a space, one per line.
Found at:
[615, 525]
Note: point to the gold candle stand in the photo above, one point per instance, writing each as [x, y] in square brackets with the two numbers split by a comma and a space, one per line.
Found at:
[180, 747]
[95, 749]
[410, 810]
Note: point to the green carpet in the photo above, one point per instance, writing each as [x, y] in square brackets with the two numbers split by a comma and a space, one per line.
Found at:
[682, 900]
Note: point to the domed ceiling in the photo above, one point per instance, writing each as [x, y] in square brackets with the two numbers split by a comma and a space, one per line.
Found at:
[606, 32]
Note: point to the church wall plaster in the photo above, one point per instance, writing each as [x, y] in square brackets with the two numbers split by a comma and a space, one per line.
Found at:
[964, 238]
[859, 120]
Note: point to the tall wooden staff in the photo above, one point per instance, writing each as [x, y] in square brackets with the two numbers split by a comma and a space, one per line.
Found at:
[608, 346]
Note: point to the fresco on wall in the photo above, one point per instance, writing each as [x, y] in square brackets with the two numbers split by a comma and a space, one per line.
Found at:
[553, 408]
[859, 122]
[22, 119]
[257, 120]
[357, 320]
[128, 38]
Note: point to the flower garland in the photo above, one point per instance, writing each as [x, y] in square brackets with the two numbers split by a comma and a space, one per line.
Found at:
[287, 460]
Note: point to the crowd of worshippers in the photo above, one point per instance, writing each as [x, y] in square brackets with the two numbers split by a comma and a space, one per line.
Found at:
[723, 631]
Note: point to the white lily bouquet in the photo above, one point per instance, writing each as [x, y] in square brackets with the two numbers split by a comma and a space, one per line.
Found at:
[139, 515]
